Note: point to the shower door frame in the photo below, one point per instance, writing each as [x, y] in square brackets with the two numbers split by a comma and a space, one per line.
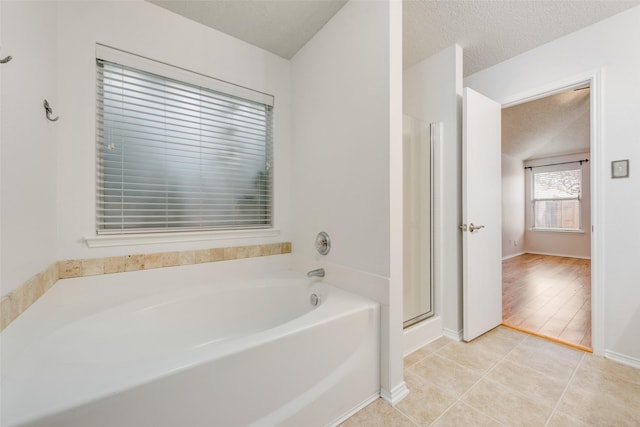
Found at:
[434, 132]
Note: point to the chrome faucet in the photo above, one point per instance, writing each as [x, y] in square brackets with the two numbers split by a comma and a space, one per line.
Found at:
[318, 272]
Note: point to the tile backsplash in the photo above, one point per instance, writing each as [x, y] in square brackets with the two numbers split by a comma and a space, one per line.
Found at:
[17, 301]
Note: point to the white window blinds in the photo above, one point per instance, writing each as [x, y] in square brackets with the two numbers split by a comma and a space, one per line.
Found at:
[175, 156]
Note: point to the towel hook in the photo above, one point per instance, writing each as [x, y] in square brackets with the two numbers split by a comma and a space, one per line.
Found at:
[48, 111]
[5, 60]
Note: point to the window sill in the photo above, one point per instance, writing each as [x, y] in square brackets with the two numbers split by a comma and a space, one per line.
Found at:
[556, 230]
[103, 241]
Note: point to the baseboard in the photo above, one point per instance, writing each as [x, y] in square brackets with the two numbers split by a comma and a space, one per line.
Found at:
[421, 334]
[622, 358]
[504, 258]
[451, 334]
[398, 393]
[554, 254]
[354, 410]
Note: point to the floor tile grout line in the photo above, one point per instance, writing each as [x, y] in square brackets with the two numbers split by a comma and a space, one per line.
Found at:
[426, 355]
[459, 399]
[426, 381]
[485, 376]
[573, 374]
[534, 337]
[407, 416]
[466, 404]
[518, 363]
[502, 359]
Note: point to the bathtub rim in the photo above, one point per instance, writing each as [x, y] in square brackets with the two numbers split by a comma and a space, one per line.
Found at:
[308, 320]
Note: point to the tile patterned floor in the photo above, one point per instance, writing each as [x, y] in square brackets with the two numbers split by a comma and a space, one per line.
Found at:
[507, 378]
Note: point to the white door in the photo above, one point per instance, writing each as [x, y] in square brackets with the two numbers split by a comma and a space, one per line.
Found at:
[481, 215]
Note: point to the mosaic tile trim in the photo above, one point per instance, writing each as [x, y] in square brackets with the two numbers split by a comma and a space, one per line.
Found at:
[17, 301]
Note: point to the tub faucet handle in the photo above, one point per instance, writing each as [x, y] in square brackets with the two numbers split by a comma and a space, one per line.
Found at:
[318, 272]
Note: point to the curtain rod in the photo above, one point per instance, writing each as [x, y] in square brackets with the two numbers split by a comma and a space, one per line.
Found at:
[561, 163]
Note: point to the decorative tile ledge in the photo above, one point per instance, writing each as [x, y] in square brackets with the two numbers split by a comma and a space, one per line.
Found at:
[17, 301]
[118, 264]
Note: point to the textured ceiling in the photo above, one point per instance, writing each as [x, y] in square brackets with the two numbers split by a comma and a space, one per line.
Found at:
[493, 31]
[552, 126]
[488, 31]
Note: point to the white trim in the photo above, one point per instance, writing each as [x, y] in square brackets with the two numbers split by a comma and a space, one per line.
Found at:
[597, 216]
[557, 254]
[451, 334]
[438, 214]
[355, 409]
[596, 163]
[634, 362]
[421, 334]
[109, 240]
[556, 230]
[504, 258]
[171, 71]
[398, 393]
[549, 89]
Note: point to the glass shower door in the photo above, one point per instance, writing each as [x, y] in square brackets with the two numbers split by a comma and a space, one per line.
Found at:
[418, 284]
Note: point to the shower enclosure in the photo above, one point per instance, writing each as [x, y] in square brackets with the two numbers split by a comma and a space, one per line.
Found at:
[418, 271]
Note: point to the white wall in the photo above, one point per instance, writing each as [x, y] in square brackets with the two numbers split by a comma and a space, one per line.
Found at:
[346, 125]
[611, 47]
[570, 244]
[148, 30]
[432, 92]
[513, 206]
[340, 82]
[28, 141]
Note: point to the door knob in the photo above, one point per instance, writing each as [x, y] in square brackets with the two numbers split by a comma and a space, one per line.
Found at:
[473, 228]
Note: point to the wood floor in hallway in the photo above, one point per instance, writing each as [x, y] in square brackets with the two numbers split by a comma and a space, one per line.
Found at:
[548, 295]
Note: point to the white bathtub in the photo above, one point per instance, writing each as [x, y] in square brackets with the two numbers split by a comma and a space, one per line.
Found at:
[141, 350]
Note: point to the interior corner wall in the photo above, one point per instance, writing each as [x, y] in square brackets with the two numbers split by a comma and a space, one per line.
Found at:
[342, 131]
[28, 141]
[568, 244]
[513, 207]
[609, 47]
[432, 92]
[340, 86]
[148, 30]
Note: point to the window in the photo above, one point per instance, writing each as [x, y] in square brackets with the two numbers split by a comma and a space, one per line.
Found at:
[177, 156]
[556, 199]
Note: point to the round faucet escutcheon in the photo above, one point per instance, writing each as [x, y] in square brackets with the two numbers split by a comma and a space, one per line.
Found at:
[323, 243]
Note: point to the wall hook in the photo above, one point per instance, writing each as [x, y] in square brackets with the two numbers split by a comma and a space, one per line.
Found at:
[48, 111]
[5, 60]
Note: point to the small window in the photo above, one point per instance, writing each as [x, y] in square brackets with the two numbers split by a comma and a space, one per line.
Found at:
[175, 156]
[556, 200]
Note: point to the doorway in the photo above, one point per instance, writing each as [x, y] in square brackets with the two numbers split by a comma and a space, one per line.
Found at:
[546, 231]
